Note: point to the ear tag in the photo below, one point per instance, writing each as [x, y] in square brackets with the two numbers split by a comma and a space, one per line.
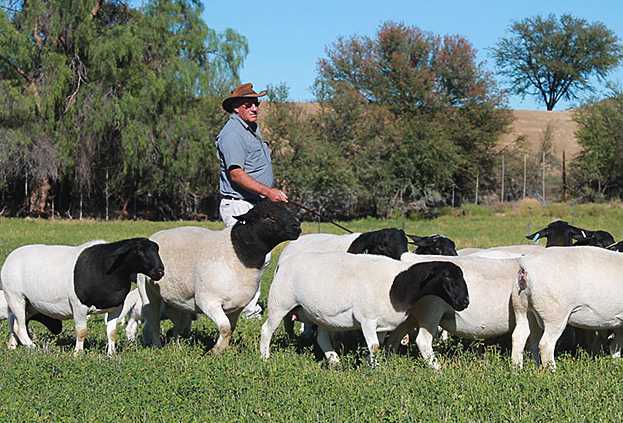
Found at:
[536, 239]
[366, 251]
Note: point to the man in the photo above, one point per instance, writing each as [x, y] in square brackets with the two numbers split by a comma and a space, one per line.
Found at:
[246, 168]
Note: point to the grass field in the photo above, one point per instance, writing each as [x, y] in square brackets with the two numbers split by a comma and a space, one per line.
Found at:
[182, 383]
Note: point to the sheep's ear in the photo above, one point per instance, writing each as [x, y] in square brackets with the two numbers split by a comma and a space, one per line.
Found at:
[415, 240]
[115, 259]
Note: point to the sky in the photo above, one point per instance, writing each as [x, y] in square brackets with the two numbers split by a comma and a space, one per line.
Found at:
[286, 38]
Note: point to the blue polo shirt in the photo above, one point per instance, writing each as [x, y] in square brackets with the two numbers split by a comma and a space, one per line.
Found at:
[239, 145]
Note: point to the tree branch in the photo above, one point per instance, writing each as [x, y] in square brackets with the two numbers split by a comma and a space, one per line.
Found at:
[31, 84]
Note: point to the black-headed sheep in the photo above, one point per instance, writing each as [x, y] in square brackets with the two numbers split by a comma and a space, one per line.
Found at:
[214, 272]
[340, 291]
[66, 282]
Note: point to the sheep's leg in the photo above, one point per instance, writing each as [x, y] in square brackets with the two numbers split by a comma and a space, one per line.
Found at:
[131, 328]
[368, 329]
[150, 311]
[181, 321]
[324, 341]
[217, 315]
[80, 320]
[424, 342]
[618, 340]
[275, 316]
[12, 342]
[17, 322]
[536, 332]
[112, 319]
[551, 332]
[520, 335]
[392, 343]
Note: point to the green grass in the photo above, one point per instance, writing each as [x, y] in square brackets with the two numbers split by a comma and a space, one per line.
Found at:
[182, 382]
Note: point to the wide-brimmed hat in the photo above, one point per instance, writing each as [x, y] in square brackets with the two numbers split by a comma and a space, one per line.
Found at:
[241, 91]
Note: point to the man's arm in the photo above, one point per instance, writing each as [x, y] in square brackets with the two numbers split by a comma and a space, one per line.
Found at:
[243, 179]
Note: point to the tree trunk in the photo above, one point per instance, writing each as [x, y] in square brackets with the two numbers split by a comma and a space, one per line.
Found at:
[39, 197]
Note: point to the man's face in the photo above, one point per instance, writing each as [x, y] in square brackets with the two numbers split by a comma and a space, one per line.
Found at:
[248, 110]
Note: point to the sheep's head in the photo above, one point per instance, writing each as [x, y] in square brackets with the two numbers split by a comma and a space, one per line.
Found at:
[260, 229]
[437, 245]
[390, 242]
[439, 278]
[138, 254]
[560, 234]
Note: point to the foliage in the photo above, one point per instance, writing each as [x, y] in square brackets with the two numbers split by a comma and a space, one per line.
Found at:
[554, 59]
[182, 382]
[413, 113]
[113, 102]
[597, 168]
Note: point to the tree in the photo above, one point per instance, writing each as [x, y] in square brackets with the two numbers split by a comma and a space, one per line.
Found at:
[596, 170]
[555, 59]
[413, 112]
[99, 97]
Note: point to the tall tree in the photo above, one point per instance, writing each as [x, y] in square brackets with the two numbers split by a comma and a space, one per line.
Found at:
[554, 59]
[415, 112]
[113, 99]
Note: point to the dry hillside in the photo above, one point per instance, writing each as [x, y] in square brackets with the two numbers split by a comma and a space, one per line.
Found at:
[533, 126]
[530, 124]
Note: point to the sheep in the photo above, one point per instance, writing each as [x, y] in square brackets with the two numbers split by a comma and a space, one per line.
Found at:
[578, 286]
[214, 272]
[390, 242]
[561, 233]
[489, 315]
[66, 282]
[341, 291]
[132, 308]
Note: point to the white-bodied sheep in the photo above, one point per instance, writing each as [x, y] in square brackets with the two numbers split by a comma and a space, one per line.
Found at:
[579, 286]
[214, 272]
[488, 315]
[66, 282]
[341, 291]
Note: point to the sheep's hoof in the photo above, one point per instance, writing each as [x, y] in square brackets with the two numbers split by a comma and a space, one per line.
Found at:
[332, 357]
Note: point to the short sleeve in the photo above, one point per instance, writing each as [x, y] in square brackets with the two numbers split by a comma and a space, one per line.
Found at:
[233, 149]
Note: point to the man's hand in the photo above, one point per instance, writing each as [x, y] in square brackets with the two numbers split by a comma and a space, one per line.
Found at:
[243, 179]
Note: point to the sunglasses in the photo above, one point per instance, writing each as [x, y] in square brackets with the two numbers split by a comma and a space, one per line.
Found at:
[249, 104]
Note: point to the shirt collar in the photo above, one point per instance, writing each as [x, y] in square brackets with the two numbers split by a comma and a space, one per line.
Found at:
[244, 124]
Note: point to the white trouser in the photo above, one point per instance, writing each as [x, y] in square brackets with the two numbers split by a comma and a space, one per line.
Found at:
[228, 209]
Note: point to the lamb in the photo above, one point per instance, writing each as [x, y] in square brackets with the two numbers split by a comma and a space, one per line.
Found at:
[214, 272]
[340, 291]
[133, 308]
[489, 282]
[66, 282]
[578, 286]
